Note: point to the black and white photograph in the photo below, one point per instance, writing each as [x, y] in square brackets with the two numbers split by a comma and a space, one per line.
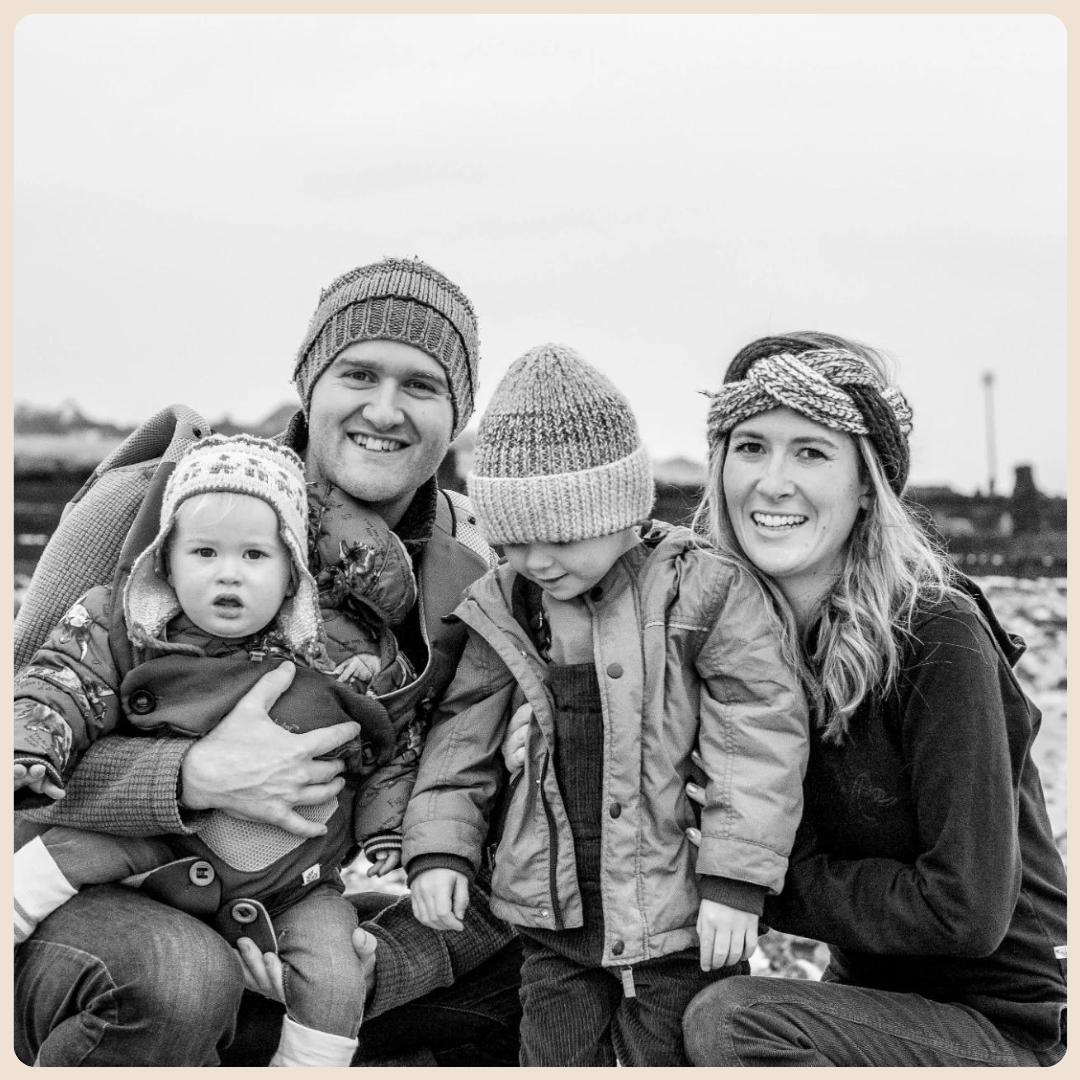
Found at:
[540, 540]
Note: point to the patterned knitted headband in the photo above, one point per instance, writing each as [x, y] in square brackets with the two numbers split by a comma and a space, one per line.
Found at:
[832, 387]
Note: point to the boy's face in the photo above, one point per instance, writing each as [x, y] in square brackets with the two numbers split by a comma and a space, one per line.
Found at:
[567, 570]
[227, 563]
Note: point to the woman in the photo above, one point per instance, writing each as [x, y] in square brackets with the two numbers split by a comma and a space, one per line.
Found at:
[925, 857]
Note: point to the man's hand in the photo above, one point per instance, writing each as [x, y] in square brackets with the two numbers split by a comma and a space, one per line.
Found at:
[37, 779]
[262, 972]
[251, 768]
[440, 897]
[727, 935]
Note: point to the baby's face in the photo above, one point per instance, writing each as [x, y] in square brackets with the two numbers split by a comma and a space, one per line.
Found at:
[569, 569]
[227, 563]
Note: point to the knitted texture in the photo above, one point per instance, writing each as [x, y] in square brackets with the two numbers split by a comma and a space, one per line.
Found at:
[832, 387]
[558, 456]
[395, 300]
[242, 465]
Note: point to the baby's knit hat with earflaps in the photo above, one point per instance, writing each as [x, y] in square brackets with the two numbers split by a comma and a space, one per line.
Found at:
[242, 465]
[395, 300]
[558, 456]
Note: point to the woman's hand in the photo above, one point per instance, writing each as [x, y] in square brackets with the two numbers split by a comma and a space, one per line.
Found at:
[516, 740]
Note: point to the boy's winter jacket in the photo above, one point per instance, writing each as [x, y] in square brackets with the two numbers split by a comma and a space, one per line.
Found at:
[686, 659]
[926, 858]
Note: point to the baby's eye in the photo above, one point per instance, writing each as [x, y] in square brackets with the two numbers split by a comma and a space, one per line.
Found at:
[255, 554]
[205, 552]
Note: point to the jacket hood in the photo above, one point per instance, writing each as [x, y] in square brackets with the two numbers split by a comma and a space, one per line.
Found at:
[1012, 646]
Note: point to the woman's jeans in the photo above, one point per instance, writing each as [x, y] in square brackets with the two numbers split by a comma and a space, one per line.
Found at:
[792, 1022]
[114, 978]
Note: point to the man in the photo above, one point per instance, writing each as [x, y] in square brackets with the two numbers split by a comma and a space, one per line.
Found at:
[387, 377]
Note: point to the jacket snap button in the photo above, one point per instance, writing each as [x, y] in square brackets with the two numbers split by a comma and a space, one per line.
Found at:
[543, 913]
[617, 948]
[615, 670]
[201, 873]
[595, 593]
[615, 809]
[244, 913]
[142, 702]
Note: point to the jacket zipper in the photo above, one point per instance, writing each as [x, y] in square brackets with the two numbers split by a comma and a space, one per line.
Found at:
[553, 845]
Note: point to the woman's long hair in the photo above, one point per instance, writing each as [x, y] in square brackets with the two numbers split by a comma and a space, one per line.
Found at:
[852, 647]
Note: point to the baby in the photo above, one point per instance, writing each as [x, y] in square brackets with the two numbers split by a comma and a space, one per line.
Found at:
[221, 596]
[632, 650]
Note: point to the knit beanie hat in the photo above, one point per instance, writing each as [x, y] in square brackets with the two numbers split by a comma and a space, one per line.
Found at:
[395, 300]
[833, 387]
[243, 465]
[558, 456]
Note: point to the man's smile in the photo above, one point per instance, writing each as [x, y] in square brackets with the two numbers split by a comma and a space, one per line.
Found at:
[378, 444]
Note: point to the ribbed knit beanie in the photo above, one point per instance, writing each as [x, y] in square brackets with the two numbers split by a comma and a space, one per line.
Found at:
[242, 465]
[395, 300]
[558, 456]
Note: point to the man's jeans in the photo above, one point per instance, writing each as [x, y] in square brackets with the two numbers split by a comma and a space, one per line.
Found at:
[114, 978]
[756, 1021]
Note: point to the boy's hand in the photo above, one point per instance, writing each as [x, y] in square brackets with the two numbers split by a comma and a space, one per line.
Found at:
[37, 779]
[364, 667]
[727, 935]
[440, 897]
[382, 862]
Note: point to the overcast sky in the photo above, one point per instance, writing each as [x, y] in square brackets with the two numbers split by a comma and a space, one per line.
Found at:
[656, 191]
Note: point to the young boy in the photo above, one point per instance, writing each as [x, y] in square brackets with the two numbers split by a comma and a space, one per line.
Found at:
[221, 595]
[632, 652]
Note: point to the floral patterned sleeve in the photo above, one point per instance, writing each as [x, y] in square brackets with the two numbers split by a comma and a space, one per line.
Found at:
[66, 697]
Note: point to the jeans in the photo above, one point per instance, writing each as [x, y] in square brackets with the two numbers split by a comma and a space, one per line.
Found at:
[114, 978]
[323, 977]
[790, 1022]
[473, 1022]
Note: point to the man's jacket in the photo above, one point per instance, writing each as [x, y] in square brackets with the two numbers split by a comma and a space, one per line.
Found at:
[129, 786]
[686, 659]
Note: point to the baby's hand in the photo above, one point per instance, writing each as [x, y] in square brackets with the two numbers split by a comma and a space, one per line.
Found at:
[37, 779]
[382, 862]
[362, 667]
[440, 897]
[727, 935]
